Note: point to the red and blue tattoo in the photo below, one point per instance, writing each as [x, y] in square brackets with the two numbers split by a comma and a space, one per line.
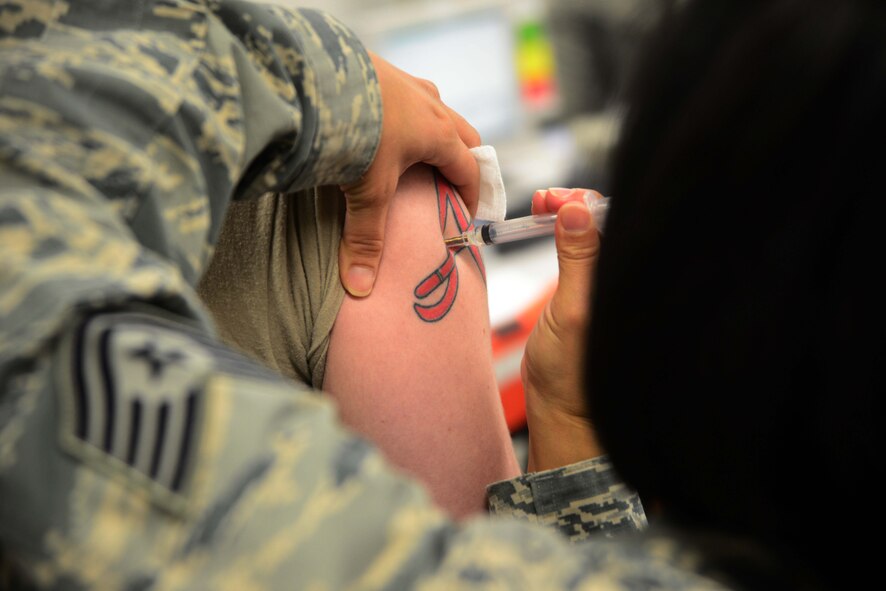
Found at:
[445, 277]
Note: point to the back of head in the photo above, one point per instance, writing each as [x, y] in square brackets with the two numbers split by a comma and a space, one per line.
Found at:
[736, 358]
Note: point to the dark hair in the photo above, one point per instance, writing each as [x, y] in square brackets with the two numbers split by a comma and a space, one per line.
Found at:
[736, 359]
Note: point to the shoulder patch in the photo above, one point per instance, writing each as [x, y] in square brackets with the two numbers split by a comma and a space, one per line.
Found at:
[132, 389]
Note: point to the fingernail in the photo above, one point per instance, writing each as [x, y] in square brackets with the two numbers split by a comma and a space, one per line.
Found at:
[359, 280]
[575, 219]
[559, 191]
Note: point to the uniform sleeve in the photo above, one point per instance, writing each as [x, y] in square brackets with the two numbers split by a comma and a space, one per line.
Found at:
[580, 500]
[159, 113]
[127, 128]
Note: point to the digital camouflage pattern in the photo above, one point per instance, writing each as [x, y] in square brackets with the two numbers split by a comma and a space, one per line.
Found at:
[135, 451]
[579, 500]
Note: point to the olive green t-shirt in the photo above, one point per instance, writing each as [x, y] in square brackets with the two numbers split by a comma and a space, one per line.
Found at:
[273, 284]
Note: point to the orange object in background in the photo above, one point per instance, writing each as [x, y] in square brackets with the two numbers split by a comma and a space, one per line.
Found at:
[508, 344]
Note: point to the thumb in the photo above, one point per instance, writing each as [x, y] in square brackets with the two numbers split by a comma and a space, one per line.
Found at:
[578, 245]
[362, 243]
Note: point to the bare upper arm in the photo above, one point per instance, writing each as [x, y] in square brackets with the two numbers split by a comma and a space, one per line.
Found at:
[411, 365]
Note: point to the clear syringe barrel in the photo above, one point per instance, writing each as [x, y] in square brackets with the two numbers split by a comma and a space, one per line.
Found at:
[539, 225]
[523, 228]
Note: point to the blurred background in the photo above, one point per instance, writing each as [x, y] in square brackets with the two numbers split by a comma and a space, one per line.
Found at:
[541, 81]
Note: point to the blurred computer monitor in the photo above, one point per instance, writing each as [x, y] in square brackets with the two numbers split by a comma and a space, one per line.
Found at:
[468, 53]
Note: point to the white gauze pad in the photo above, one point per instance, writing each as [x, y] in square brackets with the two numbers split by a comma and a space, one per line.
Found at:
[493, 202]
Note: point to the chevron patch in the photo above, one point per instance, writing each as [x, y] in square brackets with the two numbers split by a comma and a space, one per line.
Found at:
[135, 400]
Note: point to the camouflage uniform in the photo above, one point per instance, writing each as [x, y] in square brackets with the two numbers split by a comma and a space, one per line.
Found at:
[135, 451]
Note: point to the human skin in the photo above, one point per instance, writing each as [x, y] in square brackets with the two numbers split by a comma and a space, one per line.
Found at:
[417, 127]
[560, 430]
[411, 364]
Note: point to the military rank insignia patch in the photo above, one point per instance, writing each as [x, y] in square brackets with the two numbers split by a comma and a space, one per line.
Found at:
[135, 400]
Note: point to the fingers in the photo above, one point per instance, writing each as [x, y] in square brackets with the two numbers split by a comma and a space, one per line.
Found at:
[557, 197]
[551, 200]
[469, 136]
[551, 370]
[466, 131]
[449, 149]
[461, 169]
[578, 245]
[362, 240]
[538, 202]
[417, 127]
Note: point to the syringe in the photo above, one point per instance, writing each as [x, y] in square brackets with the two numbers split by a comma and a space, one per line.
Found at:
[530, 226]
